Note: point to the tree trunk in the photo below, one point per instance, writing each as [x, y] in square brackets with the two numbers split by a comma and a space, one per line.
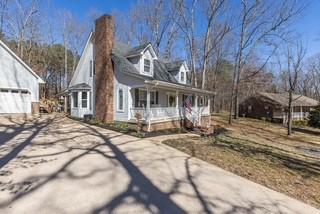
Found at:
[290, 114]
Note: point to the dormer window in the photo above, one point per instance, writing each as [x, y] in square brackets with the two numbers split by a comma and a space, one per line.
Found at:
[147, 65]
[182, 76]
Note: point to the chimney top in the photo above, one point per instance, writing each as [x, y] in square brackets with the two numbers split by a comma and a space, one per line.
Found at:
[104, 16]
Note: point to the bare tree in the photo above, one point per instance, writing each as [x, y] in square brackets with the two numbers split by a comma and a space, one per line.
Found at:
[261, 24]
[3, 14]
[22, 25]
[293, 58]
[186, 21]
[214, 33]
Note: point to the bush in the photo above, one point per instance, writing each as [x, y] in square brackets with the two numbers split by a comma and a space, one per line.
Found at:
[300, 122]
[314, 117]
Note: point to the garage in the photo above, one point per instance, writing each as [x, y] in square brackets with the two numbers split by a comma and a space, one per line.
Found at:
[19, 84]
[15, 101]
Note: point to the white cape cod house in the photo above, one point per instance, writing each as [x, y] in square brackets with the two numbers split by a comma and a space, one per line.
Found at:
[115, 82]
[19, 84]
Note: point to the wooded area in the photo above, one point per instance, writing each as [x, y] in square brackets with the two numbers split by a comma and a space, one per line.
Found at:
[235, 48]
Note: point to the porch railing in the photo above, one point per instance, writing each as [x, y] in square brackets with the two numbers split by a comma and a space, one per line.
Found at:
[162, 113]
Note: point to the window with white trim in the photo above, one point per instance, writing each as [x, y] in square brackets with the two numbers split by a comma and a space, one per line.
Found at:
[147, 65]
[141, 98]
[75, 99]
[91, 68]
[120, 100]
[84, 99]
[182, 76]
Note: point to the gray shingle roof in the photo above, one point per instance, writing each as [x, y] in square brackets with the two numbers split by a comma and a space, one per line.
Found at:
[161, 72]
[80, 86]
[282, 99]
[137, 50]
[175, 65]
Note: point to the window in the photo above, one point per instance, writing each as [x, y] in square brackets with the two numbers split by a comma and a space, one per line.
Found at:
[91, 68]
[84, 99]
[75, 99]
[201, 101]
[24, 92]
[4, 90]
[141, 98]
[182, 76]
[14, 91]
[120, 100]
[90, 100]
[147, 65]
[249, 109]
[94, 68]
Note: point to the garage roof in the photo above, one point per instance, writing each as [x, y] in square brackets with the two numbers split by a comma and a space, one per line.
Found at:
[21, 61]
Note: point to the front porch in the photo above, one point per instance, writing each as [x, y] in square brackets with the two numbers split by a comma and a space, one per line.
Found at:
[158, 104]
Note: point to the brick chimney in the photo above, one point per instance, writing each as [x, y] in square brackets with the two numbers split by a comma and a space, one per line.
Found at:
[103, 40]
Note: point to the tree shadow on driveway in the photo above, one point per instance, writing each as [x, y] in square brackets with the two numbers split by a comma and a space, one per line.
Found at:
[140, 187]
[14, 150]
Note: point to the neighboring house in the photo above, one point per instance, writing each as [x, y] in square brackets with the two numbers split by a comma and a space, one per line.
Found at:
[19, 84]
[274, 106]
[115, 82]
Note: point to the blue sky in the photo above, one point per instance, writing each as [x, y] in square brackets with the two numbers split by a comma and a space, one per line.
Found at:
[308, 26]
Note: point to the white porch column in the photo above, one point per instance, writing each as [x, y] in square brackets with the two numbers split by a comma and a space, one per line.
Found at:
[65, 107]
[71, 100]
[177, 103]
[79, 99]
[148, 109]
[301, 113]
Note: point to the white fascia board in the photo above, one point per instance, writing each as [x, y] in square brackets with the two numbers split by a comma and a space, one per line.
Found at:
[176, 86]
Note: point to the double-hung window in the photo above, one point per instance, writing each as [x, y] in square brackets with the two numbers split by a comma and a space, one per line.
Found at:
[84, 99]
[141, 98]
[182, 76]
[120, 100]
[147, 65]
[75, 99]
[91, 68]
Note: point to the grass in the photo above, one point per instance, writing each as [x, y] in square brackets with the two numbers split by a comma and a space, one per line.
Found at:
[261, 152]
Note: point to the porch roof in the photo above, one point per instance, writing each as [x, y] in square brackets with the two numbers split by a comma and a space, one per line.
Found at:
[80, 86]
[186, 88]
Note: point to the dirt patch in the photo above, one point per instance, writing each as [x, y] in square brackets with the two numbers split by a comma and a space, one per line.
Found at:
[283, 170]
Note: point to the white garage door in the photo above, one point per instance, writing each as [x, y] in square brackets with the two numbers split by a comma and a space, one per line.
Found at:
[15, 101]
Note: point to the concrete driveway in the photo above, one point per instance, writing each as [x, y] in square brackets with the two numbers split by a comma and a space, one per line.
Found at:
[53, 164]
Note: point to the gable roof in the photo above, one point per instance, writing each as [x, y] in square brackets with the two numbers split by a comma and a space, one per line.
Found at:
[175, 65]
[21, 62]
[137, 50]
[121, 53]
[282, 99]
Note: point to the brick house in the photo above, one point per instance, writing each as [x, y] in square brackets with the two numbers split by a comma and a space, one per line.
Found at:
[274, 106]
[116, 82]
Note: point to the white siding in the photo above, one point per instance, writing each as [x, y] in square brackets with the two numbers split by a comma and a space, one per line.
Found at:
[82, 75]
[146, 55]
[184, 70]
[82, 72]
[14, 75]
[126, 83]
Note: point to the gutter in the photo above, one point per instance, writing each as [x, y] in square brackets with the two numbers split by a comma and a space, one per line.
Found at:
[176, 86]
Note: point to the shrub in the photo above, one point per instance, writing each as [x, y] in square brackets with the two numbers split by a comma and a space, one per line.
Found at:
[300, 122]
[314, 117]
